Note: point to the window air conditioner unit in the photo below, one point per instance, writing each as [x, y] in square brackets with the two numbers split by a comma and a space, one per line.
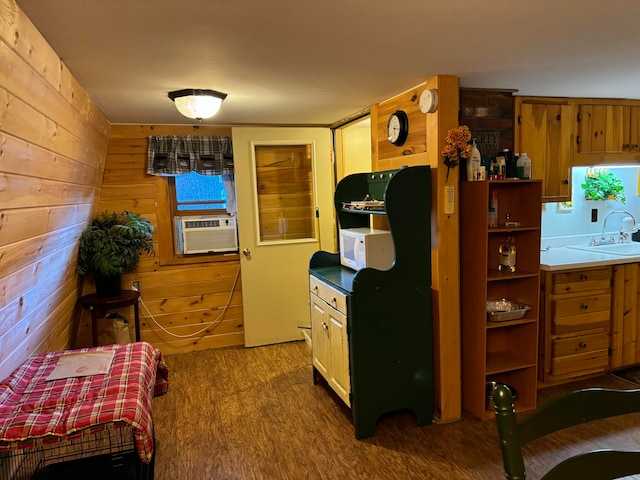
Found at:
[209, 234]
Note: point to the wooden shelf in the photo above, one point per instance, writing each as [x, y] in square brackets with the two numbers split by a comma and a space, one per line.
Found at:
[493, 230]
[510, 323]
[495, 275]
[506, 361]
[499, 351]
[363, 212]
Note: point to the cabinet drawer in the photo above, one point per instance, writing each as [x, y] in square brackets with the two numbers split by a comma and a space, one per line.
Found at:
[580, 313]
[330, 295]
[580, 355]
[580, 344]
[580, 363]
[582, 280]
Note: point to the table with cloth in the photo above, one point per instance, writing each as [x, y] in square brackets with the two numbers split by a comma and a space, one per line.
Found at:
[36, 411]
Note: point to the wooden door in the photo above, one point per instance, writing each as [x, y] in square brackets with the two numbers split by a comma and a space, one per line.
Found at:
[321, 350]
[285, 213]
[339, 376]
[625, 321]
[557, 175]
[602, 128]
[545, 136]
[632, 129]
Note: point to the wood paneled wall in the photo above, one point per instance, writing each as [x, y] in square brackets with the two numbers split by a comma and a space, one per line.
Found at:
[423, 146]
[184, 298]
[53, 144]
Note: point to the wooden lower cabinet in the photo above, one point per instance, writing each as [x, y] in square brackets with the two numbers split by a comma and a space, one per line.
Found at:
[329, 342]
[576, 323]
[625, 325]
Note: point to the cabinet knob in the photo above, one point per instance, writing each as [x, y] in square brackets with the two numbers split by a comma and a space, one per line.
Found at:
[325, 326]
[583, 277]
[566, 181]
[334, 300]
[584, 306]
[583, 345]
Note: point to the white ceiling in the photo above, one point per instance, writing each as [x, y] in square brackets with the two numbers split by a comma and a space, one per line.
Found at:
[316, 62]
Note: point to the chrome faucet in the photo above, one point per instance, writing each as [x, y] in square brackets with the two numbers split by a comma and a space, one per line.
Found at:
[623, 235]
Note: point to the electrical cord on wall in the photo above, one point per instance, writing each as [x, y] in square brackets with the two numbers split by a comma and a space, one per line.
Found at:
[216, 321]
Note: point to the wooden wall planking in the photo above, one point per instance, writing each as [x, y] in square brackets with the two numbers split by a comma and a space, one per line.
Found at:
[424, 143]
[184, 297]
[53, 145]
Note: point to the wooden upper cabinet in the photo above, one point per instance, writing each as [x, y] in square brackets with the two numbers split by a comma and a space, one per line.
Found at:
[602, 128]
[608, 131]
[544, 133]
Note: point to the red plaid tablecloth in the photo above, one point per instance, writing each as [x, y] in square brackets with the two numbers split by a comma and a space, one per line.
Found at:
[33, 409]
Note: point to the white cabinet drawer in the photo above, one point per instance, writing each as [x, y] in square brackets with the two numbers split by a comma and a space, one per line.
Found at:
[332, 296]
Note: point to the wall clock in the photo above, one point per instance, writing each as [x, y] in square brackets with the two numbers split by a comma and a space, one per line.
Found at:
[397, 127]
[429, 100]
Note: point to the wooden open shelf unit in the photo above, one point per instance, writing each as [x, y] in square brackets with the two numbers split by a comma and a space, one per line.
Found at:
[499, 351]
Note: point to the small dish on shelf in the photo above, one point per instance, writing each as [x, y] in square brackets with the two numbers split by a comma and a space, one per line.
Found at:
[373, 205]
[503, 310]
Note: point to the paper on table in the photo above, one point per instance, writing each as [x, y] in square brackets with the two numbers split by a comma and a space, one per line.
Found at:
[82, 364]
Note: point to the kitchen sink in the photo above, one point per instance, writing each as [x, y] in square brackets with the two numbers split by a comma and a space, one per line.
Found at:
[630, 249]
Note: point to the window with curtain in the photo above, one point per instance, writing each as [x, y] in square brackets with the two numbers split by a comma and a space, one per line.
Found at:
[170, 155]
[200, 176]
[187, 158]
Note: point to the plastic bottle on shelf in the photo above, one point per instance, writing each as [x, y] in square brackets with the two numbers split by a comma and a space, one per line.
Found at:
[523, 167]
[507, 258]
[493, 209]
[474, 164]
[502, 167]
[510, 163]
[493, 220]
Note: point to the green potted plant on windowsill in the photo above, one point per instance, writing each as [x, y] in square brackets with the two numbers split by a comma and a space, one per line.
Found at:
[603, 185]
[111, 246]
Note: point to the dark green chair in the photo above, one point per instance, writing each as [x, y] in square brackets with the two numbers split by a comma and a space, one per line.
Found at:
[572, 409]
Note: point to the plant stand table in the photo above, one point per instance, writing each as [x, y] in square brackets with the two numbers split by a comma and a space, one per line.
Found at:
[95, 304]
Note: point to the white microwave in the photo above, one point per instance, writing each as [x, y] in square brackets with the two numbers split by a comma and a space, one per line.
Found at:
[366, 247]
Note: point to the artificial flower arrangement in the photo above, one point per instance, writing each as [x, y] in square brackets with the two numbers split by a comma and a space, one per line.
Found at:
[457, 147]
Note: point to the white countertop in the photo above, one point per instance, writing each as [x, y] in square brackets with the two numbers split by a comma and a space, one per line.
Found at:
[564, 258]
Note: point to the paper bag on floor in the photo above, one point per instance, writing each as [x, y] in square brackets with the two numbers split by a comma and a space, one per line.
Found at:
[114, 328]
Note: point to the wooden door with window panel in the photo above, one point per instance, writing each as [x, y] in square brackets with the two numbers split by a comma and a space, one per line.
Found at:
[284, 181]
[285, 213]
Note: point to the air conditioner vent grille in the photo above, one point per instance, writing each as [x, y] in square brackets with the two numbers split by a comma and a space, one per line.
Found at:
[201, 223]
[209, 235]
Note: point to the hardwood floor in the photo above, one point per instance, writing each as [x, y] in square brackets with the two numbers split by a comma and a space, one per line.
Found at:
[244, 414]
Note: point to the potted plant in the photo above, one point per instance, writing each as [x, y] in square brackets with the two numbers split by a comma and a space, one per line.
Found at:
[111, 246]
[603, 185]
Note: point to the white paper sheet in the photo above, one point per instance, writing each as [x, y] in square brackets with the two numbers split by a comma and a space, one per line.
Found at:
[82, 364]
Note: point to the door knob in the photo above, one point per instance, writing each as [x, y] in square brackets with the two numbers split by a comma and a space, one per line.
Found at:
[246, 252]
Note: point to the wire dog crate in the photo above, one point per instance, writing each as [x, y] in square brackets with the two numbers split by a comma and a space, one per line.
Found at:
[104, 455]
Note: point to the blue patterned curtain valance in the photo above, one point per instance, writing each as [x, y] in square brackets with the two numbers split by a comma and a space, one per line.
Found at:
[171, 155]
